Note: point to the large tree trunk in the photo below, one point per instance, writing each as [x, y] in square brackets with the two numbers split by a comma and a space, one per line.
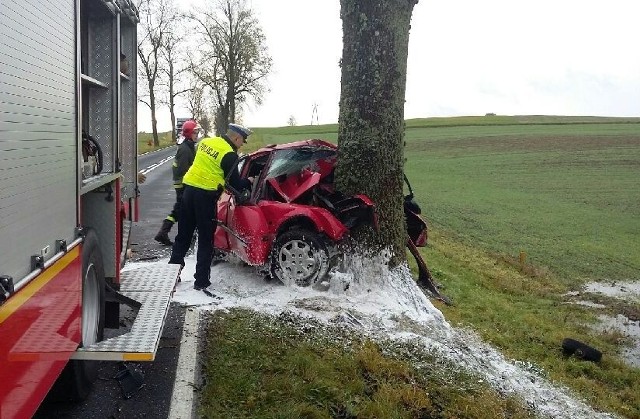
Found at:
[371, 120]
[222, 120]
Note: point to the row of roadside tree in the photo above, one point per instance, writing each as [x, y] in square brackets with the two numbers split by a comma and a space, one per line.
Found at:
[210, 58]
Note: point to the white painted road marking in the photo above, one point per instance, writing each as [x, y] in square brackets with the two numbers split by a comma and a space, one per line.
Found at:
[155, 165]
[184, 385]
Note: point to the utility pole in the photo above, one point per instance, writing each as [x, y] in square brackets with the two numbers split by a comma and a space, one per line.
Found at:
[314, 114]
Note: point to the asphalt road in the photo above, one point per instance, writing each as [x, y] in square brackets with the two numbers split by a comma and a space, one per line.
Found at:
[153, 399]
[157, 197]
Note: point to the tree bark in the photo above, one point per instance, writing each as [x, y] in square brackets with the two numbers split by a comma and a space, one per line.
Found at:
[371, 119]
[172, 97]
[154, 121]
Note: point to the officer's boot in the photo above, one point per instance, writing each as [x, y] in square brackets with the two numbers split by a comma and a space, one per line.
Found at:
[163, 235]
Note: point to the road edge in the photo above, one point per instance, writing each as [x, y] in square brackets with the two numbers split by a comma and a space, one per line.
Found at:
[185, 382]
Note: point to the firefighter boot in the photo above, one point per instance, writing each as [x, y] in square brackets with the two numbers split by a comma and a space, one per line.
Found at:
[163, 235]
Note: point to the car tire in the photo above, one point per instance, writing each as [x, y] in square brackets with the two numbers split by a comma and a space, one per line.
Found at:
[299, 258]
[77, 379]
[580, 350]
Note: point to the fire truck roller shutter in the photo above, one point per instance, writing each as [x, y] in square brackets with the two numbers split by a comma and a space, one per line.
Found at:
[78, 377]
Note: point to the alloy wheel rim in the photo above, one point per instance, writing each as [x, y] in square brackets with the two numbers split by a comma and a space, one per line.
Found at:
[298, 262]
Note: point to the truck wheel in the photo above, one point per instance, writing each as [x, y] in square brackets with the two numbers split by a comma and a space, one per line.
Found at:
[78, 376]
[299, 257]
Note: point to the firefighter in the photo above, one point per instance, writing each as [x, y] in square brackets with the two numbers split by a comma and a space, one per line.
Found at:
[216, 160]
[181, 163]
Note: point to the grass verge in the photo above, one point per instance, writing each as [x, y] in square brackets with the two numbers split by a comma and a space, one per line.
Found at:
[260, 366]
[523, 311]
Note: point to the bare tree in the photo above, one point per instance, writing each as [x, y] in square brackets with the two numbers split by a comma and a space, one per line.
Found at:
[371, 118]
[176, 63]
[154, 24]
[233, 60]
[198, 104]
[291, 121]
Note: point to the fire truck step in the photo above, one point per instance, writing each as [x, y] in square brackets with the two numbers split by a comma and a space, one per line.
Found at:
[152, 286]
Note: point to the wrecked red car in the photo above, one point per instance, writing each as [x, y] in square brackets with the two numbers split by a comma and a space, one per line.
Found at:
[293, 218]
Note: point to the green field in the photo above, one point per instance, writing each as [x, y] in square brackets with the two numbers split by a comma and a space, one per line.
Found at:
[145, 141]
[568, 196]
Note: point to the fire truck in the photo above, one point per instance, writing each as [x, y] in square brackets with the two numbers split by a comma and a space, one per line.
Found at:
[68, 200]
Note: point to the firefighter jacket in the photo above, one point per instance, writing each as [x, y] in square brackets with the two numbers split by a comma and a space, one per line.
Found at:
[216, 159]
[182, 161]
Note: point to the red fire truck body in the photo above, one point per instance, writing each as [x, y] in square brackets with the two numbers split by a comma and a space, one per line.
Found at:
[40, 331]
[68, 199]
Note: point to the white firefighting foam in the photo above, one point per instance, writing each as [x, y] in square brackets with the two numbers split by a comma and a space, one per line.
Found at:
[387, 304]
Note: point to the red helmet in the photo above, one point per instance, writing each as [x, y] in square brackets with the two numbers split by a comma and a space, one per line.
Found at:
[188, 127]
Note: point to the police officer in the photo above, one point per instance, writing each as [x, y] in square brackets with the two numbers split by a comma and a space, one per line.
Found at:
[181, 163]
[204, 182]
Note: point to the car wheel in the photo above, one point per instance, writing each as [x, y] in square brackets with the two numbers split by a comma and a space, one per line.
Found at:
[299, 257]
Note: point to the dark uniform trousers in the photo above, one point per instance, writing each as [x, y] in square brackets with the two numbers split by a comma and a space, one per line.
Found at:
[198, 210]
[175, 212]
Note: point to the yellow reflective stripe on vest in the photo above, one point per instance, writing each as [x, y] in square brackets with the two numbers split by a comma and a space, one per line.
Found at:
[206, 171]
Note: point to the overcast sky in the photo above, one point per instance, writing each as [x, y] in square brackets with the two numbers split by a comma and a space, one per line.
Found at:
[466, 57]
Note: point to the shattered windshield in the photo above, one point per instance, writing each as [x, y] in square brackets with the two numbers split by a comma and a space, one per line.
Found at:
[293, 160]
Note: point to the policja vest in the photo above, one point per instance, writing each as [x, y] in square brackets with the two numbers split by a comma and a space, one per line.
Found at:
[206, 171]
